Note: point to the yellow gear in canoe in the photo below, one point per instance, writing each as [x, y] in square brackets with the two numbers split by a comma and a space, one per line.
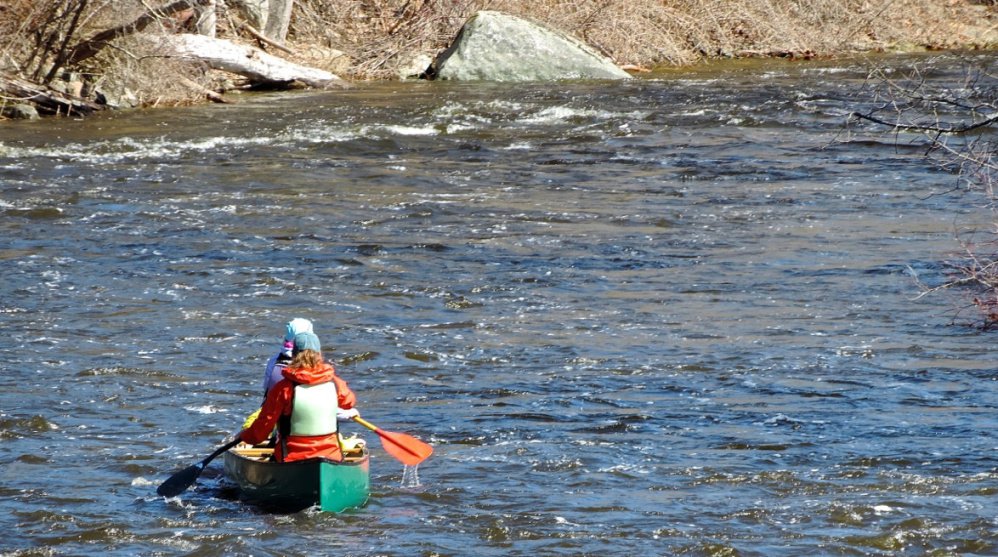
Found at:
[251, 418]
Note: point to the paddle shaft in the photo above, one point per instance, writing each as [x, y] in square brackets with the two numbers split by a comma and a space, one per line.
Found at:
[220, 450]
[366, 424]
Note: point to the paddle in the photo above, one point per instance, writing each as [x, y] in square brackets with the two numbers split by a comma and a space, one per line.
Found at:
[406, 448]
[179, 482]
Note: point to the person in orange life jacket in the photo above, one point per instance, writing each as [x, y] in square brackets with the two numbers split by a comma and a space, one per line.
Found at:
[304, 406]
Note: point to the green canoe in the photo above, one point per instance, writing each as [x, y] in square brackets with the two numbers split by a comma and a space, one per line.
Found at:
[293, 486]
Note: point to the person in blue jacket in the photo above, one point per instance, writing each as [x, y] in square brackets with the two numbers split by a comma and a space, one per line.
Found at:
[280, 360]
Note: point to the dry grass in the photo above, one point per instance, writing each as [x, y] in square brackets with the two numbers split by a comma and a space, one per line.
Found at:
[372, 39]
[35, 34]
[132, 74]
[380, 36]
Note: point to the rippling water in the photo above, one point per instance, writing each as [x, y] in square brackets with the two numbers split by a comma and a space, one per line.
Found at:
[673, 316]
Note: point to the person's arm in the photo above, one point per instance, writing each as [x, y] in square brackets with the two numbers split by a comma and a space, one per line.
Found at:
[346, 397]
[270, 370]
[277, 399]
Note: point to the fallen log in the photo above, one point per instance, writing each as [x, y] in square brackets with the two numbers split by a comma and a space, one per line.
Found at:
[45, 100]
[250, 62]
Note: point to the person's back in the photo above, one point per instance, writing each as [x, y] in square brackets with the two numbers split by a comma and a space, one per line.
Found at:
[305, 406]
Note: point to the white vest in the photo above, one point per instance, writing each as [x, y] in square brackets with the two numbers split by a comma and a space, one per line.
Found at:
[313, 411]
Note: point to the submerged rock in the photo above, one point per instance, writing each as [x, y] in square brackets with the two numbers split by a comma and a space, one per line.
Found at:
[494, 46]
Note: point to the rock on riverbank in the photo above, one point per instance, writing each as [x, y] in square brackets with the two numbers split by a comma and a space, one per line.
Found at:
[498, 47]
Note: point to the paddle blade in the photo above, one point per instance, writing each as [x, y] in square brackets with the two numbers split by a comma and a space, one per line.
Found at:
[406, 448]
[179, 482]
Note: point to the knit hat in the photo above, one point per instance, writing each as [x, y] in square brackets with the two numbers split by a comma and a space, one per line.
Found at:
[296, 326]
[307, 341]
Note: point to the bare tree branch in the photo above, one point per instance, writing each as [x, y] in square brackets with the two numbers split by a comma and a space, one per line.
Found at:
[941, 128]
[47, 100]
[955, 123]
[93, 45]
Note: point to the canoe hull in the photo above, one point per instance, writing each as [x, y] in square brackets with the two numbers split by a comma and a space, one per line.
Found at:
[334, 486]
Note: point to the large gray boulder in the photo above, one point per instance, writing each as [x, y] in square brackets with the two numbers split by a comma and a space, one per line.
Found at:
[494, 46]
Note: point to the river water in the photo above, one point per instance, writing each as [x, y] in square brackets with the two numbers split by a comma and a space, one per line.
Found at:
[670, 316]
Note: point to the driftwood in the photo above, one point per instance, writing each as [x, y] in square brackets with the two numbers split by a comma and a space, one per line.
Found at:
[263, 38]
[208, 93]
[95, 44]
[252, 63]
[45, 100]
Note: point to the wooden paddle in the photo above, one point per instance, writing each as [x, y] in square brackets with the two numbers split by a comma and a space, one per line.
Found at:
[405, 448]
[179, 482]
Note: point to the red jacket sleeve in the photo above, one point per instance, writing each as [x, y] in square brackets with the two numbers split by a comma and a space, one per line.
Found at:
[347, 399]
[278, 402]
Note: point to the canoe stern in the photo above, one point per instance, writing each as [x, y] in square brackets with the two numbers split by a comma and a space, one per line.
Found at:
[343, 487]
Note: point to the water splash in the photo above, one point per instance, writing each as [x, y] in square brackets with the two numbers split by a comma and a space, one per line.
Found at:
[410, 476]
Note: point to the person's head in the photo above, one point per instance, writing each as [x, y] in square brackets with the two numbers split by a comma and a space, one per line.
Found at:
[307, 352]
[295, 327]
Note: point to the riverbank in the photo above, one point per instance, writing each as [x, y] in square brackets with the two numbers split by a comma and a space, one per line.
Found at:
[651, 33]
[387, 40]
